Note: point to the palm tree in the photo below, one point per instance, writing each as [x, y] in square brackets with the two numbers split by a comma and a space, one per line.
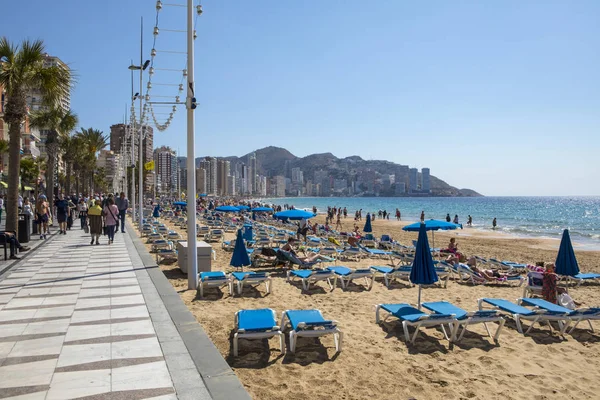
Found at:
[30, 171]
[93, 140]
[72, 147]
[59, 124]
[22, 69]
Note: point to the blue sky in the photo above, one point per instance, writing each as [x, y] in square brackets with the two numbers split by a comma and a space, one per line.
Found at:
[502, 97]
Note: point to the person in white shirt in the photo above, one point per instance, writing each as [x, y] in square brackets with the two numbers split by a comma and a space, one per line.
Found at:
[1, 206]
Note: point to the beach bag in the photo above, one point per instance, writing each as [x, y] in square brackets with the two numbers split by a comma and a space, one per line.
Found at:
[566, 301]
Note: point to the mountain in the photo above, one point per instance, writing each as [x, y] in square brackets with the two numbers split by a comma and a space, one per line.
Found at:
[273, 161]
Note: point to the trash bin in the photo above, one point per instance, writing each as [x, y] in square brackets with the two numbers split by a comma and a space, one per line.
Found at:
[24, 231]
[247, 235]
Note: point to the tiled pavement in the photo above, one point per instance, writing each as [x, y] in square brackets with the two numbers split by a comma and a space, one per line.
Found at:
[85, 322]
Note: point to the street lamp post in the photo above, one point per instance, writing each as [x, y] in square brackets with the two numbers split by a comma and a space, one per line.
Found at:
[192, 256]
[142, 67]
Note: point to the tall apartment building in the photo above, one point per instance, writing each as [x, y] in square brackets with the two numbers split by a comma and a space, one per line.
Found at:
[426, 180]
[117, 139]
[210, 165]
[223, 167]
[110, 161]
[201, 180]
[413, 175]
[165, 166]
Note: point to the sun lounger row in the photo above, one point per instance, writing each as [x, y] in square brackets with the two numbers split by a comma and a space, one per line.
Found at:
[262, 324]
[235, 279]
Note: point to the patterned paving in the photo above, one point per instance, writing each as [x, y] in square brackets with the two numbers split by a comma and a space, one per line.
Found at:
[74, 324]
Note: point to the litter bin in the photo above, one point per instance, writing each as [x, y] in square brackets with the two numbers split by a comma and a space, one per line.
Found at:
[24, 231]
[247, 235]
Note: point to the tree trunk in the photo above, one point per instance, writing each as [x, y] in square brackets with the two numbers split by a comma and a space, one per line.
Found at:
[14, 165]
[50, 180]
[77, 188]
[68, 179]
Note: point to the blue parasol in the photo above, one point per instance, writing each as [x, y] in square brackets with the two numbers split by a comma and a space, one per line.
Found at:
[227, 209]
[431, 225]
[423, 269]
[243, 207]
[294, 214]
[368, 227]
[240, 255]
[566, 263]
[180, 203]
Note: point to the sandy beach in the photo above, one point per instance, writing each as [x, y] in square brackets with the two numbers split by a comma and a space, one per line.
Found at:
[377, 363]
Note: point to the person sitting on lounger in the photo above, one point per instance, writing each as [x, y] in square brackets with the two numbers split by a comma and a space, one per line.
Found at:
[309, 258]
[489, 274]
[550, 288]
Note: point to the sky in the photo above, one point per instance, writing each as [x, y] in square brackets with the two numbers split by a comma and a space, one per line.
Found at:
[501, 97]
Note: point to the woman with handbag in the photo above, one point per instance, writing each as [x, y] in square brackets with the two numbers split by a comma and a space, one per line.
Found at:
[95, 217]
[110, 212]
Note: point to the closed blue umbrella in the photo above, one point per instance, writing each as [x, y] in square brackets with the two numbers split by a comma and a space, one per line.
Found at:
[423, 269]
[240, 255]
[566, 263]
[368, 227]
[431, 225]
[294, 214]
[227, 209]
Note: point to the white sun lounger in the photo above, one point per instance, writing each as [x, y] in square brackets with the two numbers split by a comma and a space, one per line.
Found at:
[312, 276]
[240, 279]
[346, 275]
[256, 324]
[466, 318]
[412, 317]
[310, 323]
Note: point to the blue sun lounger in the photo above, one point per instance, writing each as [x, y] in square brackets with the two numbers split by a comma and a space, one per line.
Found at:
[519, 313]
[346, 275]
[578, 315]
[240, 279]
[580, 278]
[309, 276]
[256, 324]
[391, 273]
[213, 279]
[310, 323]
[466, 318]
[411, 316]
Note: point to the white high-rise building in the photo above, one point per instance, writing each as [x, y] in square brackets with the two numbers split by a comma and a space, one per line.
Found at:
[165, 166]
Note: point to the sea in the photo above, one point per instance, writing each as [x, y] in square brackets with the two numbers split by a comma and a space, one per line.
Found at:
[545, 217]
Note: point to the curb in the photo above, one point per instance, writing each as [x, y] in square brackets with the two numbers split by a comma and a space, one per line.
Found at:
[4, 271]
[220, 380]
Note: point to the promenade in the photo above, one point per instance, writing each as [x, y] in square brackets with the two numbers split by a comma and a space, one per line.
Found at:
[80, 321]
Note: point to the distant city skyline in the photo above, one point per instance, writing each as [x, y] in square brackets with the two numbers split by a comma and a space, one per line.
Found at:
[498, 97]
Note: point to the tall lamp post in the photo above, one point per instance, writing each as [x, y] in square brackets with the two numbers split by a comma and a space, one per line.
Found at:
[192, 256]
[142, 67]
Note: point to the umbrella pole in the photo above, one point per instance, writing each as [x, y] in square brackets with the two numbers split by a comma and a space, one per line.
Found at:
[419, 301]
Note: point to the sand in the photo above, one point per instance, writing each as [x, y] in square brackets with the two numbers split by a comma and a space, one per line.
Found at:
[377, 363]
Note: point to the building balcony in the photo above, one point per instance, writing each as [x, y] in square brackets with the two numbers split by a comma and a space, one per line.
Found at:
[32, 151]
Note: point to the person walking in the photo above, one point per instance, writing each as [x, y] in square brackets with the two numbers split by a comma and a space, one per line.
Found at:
[423, 216]
[82, 208]
[122, 204]
[1, 205]
[95, 216]
[62, 210]
[494, 223]
[43, 215]
[110, 212]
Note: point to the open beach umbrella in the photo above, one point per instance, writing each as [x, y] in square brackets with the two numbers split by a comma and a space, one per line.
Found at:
[243, 207]
[423, 270]
[367, 227]
[262, 209]
[430, 225]
[227, 209]
[566, 263]
[179, 203]
[294, 214]
[240, 255]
